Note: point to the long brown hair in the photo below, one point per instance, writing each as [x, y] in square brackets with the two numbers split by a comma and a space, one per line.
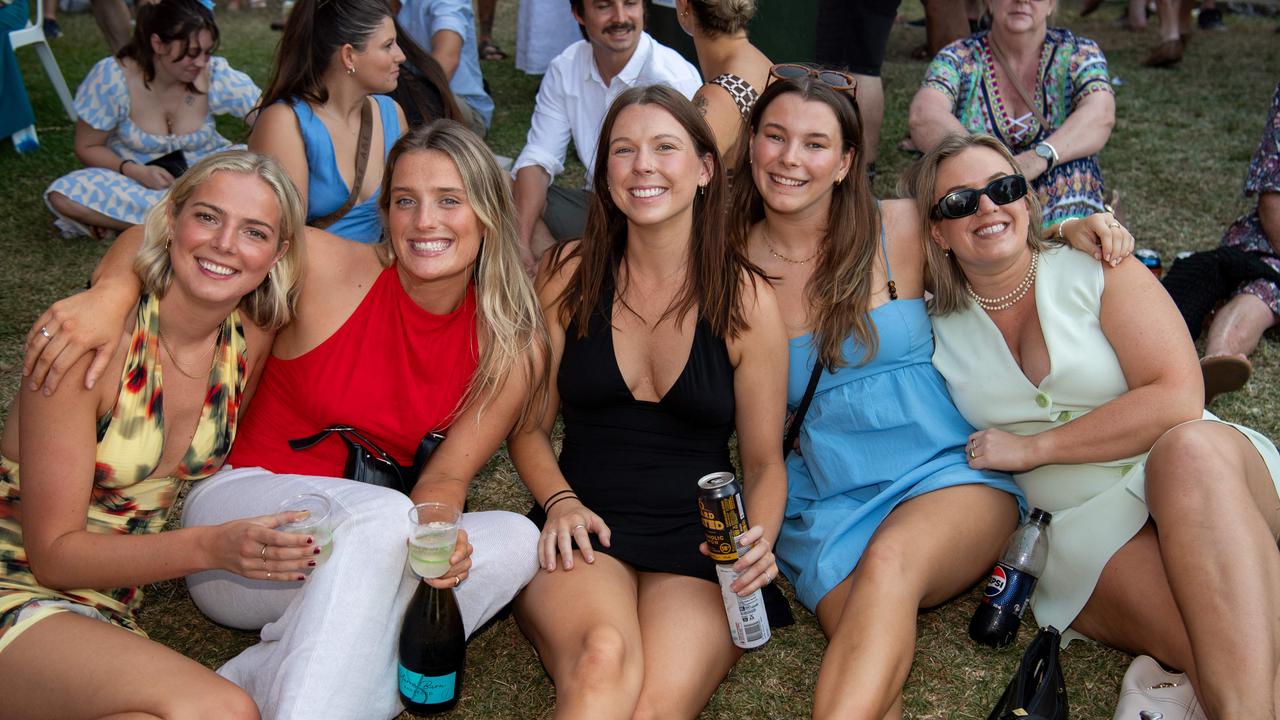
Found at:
[839, 291]
[712, 286]
[315, 30]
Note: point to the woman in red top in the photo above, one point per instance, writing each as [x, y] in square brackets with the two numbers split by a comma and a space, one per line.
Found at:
[436, 327]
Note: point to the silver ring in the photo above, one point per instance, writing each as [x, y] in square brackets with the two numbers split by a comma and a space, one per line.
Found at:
[579, 525]
[457, 580]
[1114, 225]
[45, 332]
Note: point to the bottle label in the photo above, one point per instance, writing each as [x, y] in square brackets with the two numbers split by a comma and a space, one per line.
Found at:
[427, 689]
[1009, 589]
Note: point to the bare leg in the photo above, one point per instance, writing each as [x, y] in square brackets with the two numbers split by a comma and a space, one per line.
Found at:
[585, 626]
[687, 651]
[484, 18]
[929, 549]
[1137, 15]
[541, 240]
[946, 22]
[84, 215]
[1238, 326]
[112, 17]
[68, 666]
[871, 103]
[1203, 592]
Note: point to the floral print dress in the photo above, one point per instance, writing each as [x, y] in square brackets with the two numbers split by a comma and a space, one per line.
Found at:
[1071, 67]
[125, 498]
[1246, 232]
[102, 101]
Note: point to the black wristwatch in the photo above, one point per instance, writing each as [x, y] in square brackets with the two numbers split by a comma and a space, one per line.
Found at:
[1047, 151]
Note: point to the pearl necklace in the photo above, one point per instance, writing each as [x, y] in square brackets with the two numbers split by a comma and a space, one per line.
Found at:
[1007, 301]
[772, 251]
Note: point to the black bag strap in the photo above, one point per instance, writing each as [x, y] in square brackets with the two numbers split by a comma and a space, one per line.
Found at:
[345, 432]
[793, 429]
[362, 163]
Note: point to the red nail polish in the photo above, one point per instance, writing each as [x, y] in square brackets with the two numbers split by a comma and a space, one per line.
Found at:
[311, 563]
[317, 552]
[302, 577]
[311, 540]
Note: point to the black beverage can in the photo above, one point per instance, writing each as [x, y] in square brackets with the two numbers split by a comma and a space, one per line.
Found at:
[724, 520]
[723, 513]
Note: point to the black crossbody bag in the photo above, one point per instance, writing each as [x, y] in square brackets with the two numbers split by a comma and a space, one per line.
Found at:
[368, 463]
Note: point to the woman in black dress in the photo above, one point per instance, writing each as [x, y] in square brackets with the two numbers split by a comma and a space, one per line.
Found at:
[665, 340]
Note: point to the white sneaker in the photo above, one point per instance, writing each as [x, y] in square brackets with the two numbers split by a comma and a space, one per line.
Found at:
[1148, 692]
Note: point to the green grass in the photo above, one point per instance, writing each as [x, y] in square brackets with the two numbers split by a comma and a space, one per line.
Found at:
[1179, 153]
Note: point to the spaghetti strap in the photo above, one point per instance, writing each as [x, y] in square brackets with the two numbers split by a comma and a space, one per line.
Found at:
[884, 248]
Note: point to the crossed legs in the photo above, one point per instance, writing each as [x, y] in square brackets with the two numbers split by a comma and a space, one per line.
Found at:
[625, 644]
[1199, 589]
[927, 550]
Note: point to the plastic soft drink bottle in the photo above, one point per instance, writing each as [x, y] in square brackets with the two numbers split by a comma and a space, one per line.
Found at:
[1012, 581]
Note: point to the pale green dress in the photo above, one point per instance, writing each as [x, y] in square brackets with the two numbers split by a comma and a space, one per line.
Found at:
[1097, 507]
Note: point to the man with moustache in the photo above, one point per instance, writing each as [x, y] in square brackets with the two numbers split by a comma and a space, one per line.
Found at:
[576, 92]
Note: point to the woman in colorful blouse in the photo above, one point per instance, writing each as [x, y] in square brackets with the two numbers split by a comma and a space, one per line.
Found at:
[157, 97]
[1238, 326]
[973, 85]
[100, 468]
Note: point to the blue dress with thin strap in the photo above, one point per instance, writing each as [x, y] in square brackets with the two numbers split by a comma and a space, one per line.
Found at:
[876, 435]
[326, 190]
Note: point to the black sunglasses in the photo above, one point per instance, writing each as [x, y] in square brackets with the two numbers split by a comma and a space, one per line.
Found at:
[963, 203]
[834, 79]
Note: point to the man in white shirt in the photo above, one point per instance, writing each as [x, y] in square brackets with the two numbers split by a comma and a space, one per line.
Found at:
[577, 90]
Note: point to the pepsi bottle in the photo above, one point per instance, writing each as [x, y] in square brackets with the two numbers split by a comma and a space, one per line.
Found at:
[433, 650]
[1012, 581]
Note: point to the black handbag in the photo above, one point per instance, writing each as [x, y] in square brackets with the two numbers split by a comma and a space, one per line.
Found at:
[1037, 690]
[368, 463]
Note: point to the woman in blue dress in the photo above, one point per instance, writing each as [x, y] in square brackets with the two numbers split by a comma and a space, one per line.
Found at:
[883, 514]
[156, 97]
[335, 60]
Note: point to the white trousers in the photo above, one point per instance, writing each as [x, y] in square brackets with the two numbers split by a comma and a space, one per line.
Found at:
[329, 643]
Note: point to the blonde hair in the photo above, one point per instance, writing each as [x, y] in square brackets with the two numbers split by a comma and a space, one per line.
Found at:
[723, 17]
[509, 317]
[943, 275]
[271, 305]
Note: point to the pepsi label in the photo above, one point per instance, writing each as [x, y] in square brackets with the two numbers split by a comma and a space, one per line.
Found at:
[1009, 589]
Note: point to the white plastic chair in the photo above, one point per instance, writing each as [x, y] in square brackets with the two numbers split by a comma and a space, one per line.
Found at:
[33, 34]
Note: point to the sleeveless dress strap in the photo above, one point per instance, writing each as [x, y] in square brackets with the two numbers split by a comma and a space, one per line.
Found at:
[884, 248]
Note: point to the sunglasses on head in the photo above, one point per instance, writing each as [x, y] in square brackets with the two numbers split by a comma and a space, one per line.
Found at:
[963, 203]
[834, 79]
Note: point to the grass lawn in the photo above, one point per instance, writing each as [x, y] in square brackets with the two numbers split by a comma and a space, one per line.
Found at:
[1179, 154]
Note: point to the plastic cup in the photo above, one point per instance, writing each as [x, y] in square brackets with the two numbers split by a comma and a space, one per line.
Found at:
[316, 523]
[435, 532]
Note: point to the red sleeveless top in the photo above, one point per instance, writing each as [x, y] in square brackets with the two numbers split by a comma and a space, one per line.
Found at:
[393, 371]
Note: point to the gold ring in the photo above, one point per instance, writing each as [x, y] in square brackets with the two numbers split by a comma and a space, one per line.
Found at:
[262, 555]
[973, 451]
[1114, 225]
[579, 525]
[268, 574]
[457, 580]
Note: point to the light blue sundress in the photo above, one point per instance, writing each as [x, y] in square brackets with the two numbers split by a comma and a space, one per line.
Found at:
[103, 102]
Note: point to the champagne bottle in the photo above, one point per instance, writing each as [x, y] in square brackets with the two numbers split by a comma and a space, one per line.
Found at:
[433, 651]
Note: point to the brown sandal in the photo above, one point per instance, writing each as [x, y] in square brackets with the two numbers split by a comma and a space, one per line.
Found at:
[1224, 374]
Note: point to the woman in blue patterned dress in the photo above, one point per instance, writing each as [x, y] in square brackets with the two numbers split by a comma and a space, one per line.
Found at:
[1238, 326]
[967, 88]
[155, 97]
[336, 60]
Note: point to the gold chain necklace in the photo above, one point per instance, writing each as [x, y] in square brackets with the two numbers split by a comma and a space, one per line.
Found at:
[212, 360]
[774, 252]
[1010, 299]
